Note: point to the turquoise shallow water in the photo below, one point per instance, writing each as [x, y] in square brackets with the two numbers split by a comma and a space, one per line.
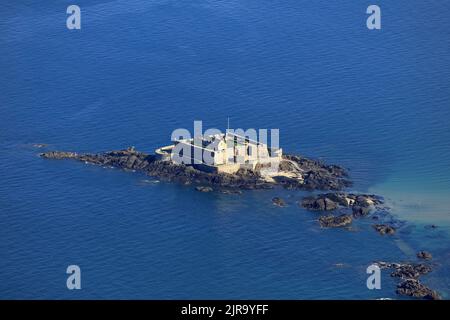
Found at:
[375, 102]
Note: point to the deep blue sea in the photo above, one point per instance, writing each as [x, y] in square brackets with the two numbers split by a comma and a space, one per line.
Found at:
[376, 102]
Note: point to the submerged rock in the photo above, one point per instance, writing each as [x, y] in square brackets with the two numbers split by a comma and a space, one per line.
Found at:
[229, 191]
[40, 145]
[278, 202]
[59, 155]
[424, 255]
[360, 211]
[413, 288]
[365, 200]
[340, 198]
[331, 221]
[321, 204]
[204, 189]
[384, 229]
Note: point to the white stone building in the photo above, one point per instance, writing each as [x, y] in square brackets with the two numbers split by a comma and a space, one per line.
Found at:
[221, 153]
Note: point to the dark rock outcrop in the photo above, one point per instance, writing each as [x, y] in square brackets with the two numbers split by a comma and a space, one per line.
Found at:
[384, 229]
[341, 198]
[410, 271]
[360, 211]
[319, 204]
[58, 155]
[413, 288]
[319, 175]
[410, 274]
[133, 160]
[424, 255]
[278, 202]
[405, 270]
[361, 204]
[316, 175]
[331, 221]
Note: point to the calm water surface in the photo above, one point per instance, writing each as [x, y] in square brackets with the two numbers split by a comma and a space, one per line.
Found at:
[375, 102]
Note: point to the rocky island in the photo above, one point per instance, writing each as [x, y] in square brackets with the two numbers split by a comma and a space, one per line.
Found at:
[293, 172]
